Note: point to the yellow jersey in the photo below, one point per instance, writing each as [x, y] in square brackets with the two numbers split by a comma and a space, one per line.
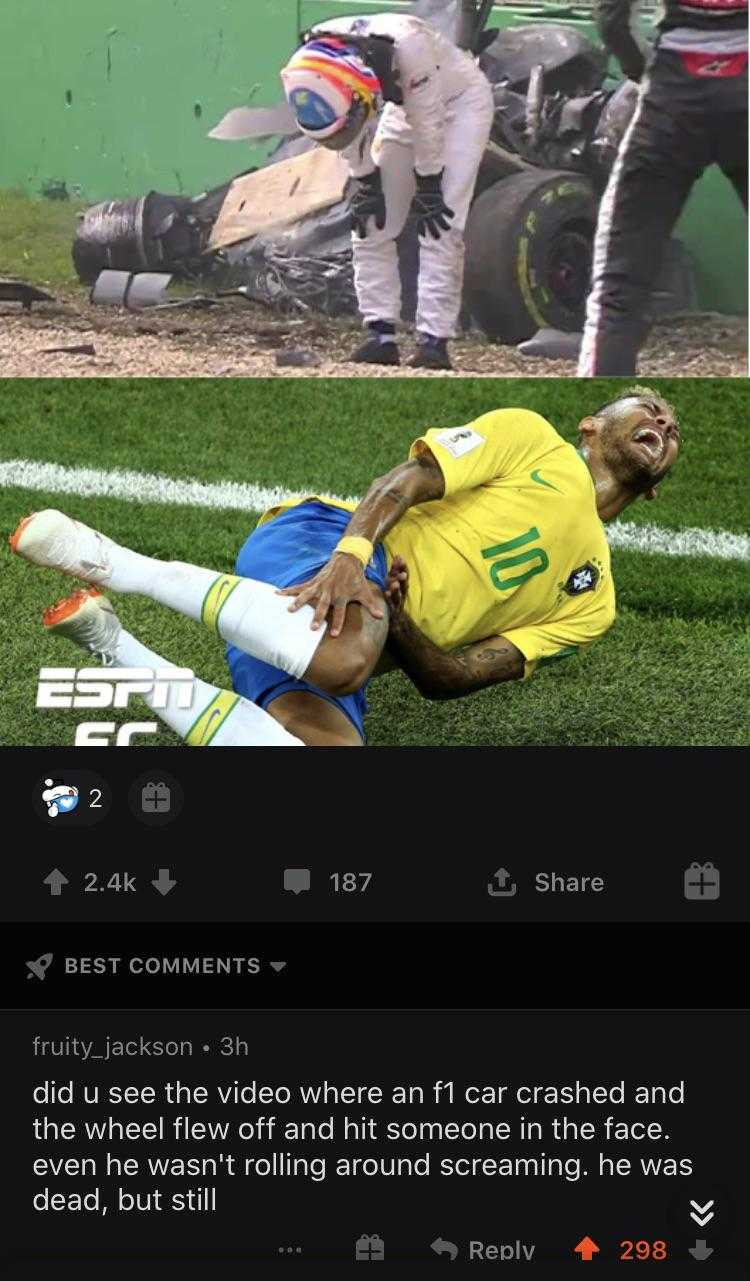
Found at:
[515, 547]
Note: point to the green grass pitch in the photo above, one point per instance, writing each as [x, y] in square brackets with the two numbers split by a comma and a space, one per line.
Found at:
[675, 670]
[36, 238]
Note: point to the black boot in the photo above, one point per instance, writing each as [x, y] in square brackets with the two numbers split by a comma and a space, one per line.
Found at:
[431, 353]
[374, 352]
[380, 348]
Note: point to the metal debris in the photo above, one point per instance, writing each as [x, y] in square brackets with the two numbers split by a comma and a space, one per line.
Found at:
[135, 291]
[144, 290]
[290, 282]
[241, 291]
[83, 349]
[21, 291]
[110, 288]
[255, 122]
[196, 302]
[553, 344]
[147, 289]
[307, 359]
[150, 233]
[55, 189]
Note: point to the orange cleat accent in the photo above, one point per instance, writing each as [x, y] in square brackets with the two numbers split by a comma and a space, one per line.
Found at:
[15, 536]
[67, 606]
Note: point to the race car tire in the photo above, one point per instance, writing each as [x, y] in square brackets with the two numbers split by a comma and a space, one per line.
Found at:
[528, 254]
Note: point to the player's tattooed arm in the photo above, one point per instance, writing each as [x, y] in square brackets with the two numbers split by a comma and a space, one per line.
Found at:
[440, 675]
[390, 496]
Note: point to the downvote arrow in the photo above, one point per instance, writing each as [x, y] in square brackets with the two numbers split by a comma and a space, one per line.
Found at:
[164, 883]
[56, 880]
[700, 1251]
[587, 1249]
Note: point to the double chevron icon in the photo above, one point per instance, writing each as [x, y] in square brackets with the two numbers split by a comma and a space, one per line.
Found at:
[702, 1214]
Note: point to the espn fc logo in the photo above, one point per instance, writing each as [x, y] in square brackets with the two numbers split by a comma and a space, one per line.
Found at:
[67, 688]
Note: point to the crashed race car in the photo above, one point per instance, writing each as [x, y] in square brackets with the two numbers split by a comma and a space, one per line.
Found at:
[529, 236]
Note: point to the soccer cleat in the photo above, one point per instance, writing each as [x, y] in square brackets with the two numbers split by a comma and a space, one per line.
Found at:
[374, 352]
[431, 353]
[54, 541]
[87, 618]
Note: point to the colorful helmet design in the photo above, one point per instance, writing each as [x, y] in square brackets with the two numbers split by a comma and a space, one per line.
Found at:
[331, 91]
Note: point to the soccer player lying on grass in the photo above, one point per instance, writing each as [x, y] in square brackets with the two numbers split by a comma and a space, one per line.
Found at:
[499, 523]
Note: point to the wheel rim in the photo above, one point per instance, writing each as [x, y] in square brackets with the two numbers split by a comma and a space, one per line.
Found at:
[568, 267]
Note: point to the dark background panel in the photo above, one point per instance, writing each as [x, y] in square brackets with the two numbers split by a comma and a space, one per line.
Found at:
[255, 1216]
[366, 966]
[434, 828]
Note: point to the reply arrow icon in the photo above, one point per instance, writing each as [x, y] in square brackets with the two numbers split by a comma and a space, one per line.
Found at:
[587, 1249]
[445, 1247]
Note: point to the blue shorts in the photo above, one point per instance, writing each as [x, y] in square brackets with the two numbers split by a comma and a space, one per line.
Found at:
[287, 550]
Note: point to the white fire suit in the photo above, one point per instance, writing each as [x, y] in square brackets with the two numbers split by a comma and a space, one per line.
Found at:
[444, 124]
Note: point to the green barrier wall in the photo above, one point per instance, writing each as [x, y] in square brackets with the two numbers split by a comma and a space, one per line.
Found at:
[115, 98]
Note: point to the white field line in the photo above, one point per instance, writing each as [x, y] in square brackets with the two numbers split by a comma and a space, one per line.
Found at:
[143, 488]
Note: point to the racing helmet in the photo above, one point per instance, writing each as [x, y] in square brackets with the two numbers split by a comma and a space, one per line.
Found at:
[331, 91]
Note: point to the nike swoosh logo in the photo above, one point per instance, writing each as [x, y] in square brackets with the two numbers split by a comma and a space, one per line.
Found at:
[535, 476]
[207, 726]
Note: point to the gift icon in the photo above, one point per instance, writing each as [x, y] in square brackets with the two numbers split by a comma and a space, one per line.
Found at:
[702, 882]
[369, 1249]
[156, 798]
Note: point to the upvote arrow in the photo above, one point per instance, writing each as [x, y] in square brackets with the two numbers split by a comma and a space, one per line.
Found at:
[700, 1251]
[56, 880]
[587, 1249]
[164, 883]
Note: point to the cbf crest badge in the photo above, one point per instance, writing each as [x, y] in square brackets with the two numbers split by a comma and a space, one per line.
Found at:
[583, 579]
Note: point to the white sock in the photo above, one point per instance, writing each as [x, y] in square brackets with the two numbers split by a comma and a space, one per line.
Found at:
[244, 611]
[216, 718]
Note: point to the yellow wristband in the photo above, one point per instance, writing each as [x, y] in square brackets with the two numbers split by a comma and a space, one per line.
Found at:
[362, 548]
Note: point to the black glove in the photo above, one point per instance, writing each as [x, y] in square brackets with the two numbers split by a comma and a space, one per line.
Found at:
[367, 201]
[433, 215]
[617, 37]
[634, 68]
